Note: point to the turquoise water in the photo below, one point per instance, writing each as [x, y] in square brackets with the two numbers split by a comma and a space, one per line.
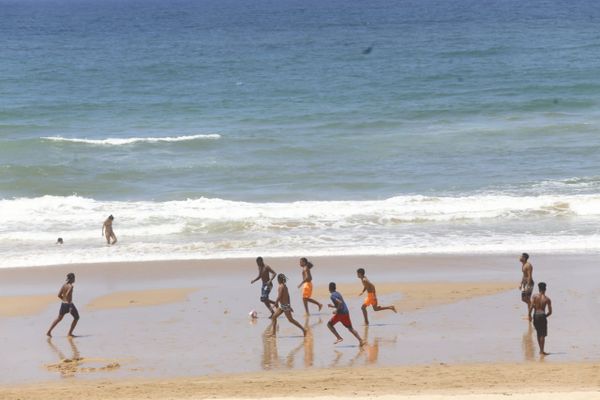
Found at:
[231, 128]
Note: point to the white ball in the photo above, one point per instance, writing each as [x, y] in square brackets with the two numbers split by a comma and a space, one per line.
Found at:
[253, 314]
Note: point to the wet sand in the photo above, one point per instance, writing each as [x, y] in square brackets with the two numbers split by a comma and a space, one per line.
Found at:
[168, 320]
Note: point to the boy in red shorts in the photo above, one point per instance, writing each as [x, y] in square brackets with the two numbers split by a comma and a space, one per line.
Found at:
[340, 314]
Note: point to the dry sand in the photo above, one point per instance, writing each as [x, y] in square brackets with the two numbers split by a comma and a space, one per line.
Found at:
[397, 382]
[140, 298]
[12, 306]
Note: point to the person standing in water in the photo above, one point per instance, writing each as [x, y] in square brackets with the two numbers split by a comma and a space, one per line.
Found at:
[527, 282]
[67, 306]
[538, 304]
[308, 286]
[107, 230]
[283, 305]
[371, 299]
[266, 274]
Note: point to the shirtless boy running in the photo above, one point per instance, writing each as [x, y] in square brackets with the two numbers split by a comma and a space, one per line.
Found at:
[107, 230]
[67, 306]
[527, 283]
[283, 305]
[540, 317]
[371, 299]
[266, 274]
[308, 286]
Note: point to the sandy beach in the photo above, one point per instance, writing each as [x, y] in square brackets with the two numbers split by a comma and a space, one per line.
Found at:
[181, 329]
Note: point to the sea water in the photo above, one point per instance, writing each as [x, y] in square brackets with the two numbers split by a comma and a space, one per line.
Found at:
[236, 128]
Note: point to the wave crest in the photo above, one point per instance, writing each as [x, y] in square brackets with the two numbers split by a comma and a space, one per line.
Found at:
[133, 140]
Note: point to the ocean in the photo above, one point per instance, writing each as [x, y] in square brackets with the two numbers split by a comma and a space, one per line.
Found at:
[214, 129]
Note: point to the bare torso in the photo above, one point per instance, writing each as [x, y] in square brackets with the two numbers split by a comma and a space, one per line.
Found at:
[527, 275]
[368, 286]
[283, 295]
[264, 273]
[540, 302]
[306, 275]
[66, 293]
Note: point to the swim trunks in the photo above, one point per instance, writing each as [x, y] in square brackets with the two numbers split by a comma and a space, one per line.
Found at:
[343, 318]
[66, 308]
[265, 290]
[526, 293]
[540, 322]
[285, 307]
[307, 290]
[370, 300]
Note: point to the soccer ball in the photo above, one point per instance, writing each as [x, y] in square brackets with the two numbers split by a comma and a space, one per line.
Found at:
[253, 314]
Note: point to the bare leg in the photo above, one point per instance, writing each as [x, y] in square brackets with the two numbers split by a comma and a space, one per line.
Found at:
[356, 335]
[73, 325]
[114, 238]
[267, 304]
[314, 302]
[364, 311]
[334, 331]
[56, 321]
[288, 314]
[542, 343]
[274, 318]
[305, 302]
[380, 308]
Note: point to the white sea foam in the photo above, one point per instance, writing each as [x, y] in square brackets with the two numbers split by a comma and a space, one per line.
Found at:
[215, 228]
[125, 141]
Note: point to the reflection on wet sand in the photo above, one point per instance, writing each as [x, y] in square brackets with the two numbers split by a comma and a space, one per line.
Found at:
[370, 350]
[270, 356]
[528, 344]
[69, 367]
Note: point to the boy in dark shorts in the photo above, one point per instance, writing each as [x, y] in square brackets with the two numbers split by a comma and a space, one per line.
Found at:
[340, 314]
[266, 274]
[540, 318]
[67, 306]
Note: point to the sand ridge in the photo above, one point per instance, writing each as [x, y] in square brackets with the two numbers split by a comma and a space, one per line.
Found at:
[140, 298]
[12, 306]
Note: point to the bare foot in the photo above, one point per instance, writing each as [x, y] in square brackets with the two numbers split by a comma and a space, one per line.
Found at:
[362, 343]
[338, 341]
[320, 306]
[304, 331]
[70, 335]
[394, 309]
[543, 353]
[48, 334]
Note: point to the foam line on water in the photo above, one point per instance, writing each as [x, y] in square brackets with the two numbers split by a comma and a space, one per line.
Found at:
[126, 141]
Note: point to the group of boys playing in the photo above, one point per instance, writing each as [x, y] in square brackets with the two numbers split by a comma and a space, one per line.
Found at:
[341, 312]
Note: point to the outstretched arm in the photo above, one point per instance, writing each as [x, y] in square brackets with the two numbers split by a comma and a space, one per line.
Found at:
[549, 308]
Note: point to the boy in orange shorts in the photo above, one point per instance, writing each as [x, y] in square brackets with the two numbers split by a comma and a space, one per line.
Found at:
[308, 286]
[371, 299]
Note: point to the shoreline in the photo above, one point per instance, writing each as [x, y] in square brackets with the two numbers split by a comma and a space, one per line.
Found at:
[495, 381]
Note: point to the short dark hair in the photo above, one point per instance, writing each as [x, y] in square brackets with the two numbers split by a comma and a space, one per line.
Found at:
[259, 260]
[361, 271]
[281, 278]
[332, 286]
[542, 286]
[525, 256]
[70, 276]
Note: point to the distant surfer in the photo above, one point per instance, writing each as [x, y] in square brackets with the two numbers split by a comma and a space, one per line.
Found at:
[67, 306]
[59, 241]
[107, 230]
[527, 283]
